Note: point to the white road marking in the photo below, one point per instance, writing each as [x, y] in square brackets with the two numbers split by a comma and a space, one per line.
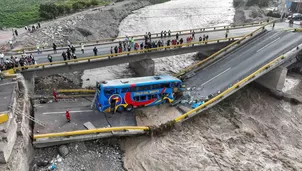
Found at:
[215, 77]
[213, 63]
[268, 44]
[8, 83]
[79, 111]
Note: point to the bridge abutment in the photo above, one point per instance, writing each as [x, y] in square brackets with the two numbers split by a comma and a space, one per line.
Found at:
[144, 67]
[274, 79]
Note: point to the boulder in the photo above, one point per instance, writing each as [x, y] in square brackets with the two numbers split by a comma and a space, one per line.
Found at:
[63, 150]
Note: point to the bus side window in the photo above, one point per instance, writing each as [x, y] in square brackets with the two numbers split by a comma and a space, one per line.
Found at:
[156, 86]
[136, 98]
[143, 98]
[149, 97]
[124, 90]
[166, 85]
[154, 96]
[132, 89]
[109, 91]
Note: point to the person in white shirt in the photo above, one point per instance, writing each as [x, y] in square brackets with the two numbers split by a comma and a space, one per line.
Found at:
[82, 47]
[1, 58]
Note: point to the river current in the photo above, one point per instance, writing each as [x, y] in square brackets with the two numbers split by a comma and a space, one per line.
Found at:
[248, 131]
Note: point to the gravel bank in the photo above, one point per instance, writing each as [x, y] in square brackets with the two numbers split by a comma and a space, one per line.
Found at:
[92, 24]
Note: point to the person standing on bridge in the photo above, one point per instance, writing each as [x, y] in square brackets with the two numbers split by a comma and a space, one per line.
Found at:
[193, 34]
[124, 44]
[165, 33]
[38, 48]
[64, 55]
[169, 33]
[82, 47]
[54, 46]
[116, 50]
[177, 35]
[68, 43]
[73, 49]
[95, 51]
[149, 34]
[227, 33]
[161, 34]
[49, 57]
[142, 46]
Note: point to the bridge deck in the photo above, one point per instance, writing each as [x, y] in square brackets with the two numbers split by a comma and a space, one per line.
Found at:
[240, 63]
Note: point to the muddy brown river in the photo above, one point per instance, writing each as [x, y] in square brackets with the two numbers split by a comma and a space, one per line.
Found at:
[248, 131]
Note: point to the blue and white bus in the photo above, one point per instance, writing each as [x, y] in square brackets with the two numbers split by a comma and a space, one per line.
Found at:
[126, 94]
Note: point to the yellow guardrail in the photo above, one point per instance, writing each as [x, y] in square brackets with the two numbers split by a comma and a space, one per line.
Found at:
[180, 118]
[126, 53]
[3, 118]
[217, 28]
[75, 91]
[218, 52]
[98, 130]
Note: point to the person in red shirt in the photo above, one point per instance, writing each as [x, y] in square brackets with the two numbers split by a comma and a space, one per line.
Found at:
[67, 115]
[55, 95]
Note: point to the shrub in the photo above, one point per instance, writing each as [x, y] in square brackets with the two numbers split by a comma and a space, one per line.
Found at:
[94, 2]
[48, 11]
[260, 3]
[61, 9]
[76, 6]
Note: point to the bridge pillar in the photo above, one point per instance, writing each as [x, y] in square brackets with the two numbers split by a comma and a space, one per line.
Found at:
[274, 80]
[144, 67]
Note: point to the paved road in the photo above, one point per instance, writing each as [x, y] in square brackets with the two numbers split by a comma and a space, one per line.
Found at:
[7, 87]
[248, 58]
[53, 116]
[105, 48]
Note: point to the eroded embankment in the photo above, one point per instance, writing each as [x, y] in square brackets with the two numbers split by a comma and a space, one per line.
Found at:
[22, 152]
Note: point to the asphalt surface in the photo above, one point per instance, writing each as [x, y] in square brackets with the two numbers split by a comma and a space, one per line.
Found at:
[105, 48]
[235, 66]
[53, 116]
[7, 87]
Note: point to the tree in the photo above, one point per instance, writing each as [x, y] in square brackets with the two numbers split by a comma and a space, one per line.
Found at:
[48, 11]
[94, 2]
[76, 6]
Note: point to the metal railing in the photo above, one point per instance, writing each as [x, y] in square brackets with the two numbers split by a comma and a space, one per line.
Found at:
[88, 59]
[180, 118]
[173, 33]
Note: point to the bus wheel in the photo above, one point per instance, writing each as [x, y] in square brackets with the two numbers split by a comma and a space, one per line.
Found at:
[120, 108]
[129, 108]
[167, 101]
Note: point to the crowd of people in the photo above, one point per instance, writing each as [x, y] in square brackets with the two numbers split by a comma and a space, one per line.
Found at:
[123, 46]
[128, 44]
[14, 61]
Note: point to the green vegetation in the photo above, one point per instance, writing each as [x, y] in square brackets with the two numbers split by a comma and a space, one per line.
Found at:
[18, 13]
[260, 3]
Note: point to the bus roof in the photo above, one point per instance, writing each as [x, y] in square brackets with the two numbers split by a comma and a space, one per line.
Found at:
[140, 80]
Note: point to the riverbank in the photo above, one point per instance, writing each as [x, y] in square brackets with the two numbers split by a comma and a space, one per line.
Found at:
[92, 24]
